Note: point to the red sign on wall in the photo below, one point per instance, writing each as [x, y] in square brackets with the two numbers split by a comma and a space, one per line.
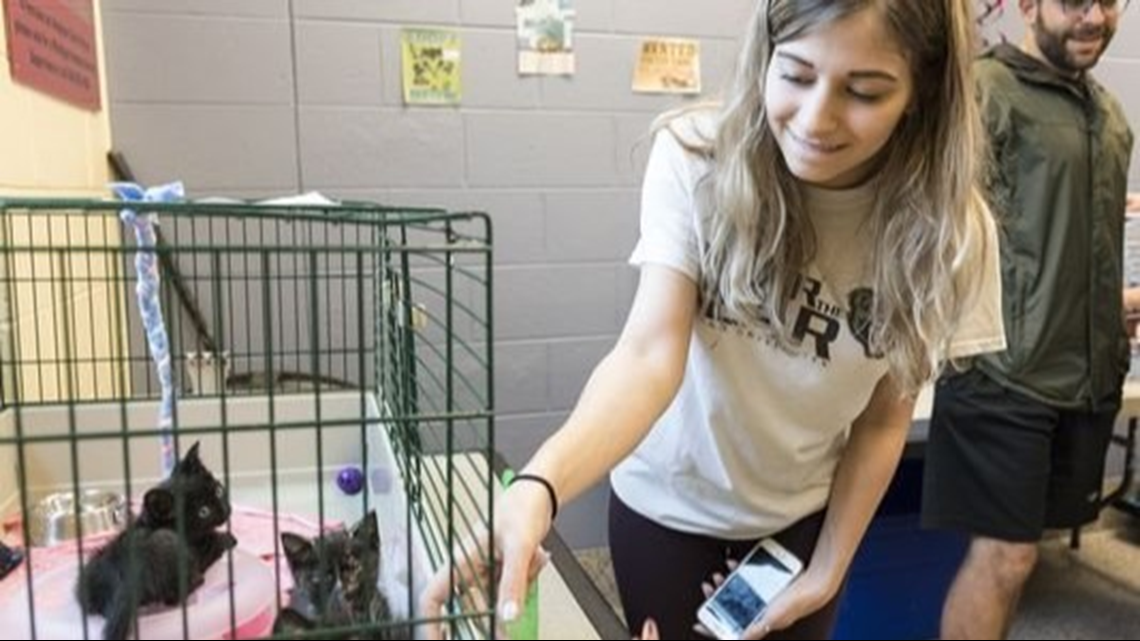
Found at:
[52, 48]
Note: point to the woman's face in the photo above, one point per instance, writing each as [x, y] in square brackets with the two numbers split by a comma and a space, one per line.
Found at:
[834, 97]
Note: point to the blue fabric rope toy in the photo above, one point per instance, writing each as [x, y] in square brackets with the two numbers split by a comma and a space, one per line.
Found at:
[146, 265]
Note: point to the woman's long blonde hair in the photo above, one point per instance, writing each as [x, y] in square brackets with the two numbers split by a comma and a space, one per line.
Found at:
[929, 223]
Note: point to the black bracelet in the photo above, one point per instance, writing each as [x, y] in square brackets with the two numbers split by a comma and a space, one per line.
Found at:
[544, 483]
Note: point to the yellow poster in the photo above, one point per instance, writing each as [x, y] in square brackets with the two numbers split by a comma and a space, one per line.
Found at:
[668, 65]
[431, 61]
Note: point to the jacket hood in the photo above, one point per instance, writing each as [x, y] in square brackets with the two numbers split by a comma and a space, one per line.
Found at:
[1031, 69]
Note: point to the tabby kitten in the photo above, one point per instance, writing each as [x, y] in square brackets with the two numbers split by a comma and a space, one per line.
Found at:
[335, 580]
[140, 566]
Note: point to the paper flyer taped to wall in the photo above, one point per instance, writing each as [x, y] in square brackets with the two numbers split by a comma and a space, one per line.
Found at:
[545, 37]
[431, 66]
[668, 65]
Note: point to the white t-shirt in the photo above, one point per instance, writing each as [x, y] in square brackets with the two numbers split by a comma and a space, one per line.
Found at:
[751, 441]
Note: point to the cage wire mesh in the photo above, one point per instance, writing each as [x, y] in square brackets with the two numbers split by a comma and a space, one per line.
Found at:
[314, 349]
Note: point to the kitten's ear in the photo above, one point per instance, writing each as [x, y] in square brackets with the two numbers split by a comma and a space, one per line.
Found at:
[191, 459]
[367, 530]
[158, 503]
[298, 549]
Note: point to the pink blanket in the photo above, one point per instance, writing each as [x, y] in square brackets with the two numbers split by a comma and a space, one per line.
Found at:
[253, 528]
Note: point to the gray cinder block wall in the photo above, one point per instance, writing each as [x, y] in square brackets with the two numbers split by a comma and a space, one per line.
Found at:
[266, 97]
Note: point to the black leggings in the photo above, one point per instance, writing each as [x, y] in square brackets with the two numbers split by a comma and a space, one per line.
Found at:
[659, 572]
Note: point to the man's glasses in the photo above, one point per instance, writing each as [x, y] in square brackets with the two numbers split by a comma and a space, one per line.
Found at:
[1081, 7]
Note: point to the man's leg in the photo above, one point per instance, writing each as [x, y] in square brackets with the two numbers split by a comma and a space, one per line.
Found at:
[988, 467]
[986, 590]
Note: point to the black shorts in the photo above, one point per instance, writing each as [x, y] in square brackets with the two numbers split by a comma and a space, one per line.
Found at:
[1002, 465]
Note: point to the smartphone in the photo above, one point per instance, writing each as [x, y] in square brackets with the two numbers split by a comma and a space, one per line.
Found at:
[740, 600]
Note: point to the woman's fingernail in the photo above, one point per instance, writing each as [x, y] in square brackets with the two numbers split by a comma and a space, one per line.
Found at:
[508, 611]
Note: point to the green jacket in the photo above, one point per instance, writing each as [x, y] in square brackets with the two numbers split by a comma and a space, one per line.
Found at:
[1061, 150]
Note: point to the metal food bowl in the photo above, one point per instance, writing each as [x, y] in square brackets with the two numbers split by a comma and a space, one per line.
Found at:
[53, 519]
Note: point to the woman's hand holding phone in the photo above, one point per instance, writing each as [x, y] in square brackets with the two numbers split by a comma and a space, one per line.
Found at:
[771, 592]
[807, 593]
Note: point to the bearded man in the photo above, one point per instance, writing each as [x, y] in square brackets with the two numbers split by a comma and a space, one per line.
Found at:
[1018, 438]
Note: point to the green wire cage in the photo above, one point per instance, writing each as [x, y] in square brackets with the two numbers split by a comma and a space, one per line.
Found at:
[314, 349]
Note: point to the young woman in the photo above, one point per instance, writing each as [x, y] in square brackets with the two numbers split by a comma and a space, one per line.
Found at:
[812, 251]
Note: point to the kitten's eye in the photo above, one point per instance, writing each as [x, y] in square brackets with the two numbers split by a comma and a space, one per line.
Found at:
[204, 513]
[220, 491]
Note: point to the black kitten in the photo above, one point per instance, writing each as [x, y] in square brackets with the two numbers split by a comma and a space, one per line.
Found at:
[335, 583]
[10, 559]
[140, 566]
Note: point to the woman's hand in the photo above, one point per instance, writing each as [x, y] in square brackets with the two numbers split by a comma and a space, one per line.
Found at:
[804, 596]
[513, 556]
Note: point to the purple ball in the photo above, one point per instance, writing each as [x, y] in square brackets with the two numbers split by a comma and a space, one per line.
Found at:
[350, 480]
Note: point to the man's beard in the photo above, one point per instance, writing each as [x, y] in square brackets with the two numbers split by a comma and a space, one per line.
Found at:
[1052, 45]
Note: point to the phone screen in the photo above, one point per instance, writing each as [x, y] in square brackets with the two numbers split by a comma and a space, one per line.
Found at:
[750, 588]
